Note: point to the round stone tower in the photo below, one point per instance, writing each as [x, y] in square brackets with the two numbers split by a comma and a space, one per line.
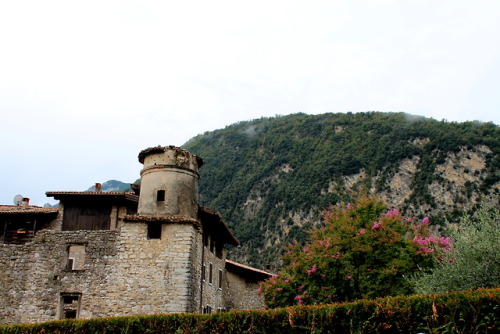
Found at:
[169, 182]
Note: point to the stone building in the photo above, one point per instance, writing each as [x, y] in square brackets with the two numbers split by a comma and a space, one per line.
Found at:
[101, 254]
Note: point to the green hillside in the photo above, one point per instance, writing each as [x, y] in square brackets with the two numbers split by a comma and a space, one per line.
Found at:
[270, 178]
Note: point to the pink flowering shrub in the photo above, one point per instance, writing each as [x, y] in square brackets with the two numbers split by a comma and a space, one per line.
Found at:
[361, 251]
[428, 243]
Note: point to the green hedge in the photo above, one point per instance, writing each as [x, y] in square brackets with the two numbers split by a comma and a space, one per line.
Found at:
[459, 312]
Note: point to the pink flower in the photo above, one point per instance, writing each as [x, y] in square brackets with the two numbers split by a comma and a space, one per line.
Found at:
[445, 243]
[312, 270]
[425, 221]
[348, 206]
[336, 255]
[349, 277]
[286, 281]
[393, 212]
[377, 225]
[298, 298]
[362, 231]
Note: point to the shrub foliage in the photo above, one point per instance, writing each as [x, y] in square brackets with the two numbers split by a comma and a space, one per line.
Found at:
[459, 312]
[361, 251]
[473, 261]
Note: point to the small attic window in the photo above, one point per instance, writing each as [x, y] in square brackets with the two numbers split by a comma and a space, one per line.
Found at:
[160, 195]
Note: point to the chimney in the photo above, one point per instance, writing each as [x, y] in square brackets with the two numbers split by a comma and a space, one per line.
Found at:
[26, 201]
[98, 187]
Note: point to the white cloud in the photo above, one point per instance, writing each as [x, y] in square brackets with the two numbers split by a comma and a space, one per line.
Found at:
[85, 86]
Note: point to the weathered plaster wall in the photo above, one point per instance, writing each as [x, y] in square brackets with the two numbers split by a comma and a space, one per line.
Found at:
[175, 172]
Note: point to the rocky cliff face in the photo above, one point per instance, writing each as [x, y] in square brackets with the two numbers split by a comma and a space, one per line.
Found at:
[454, 190]
[272, 187]
[454, 186]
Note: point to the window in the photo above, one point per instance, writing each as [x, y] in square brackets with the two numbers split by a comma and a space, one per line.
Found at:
[76, 257]
[205, 239]
[203, 270]
[207, 309]
[154, 231]
[70, 305]
[160, 195]
[218, 250]
[212, 245]
[220, 279]
[210, 267]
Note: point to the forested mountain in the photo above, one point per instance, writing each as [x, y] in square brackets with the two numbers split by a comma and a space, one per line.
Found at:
[112, 185]
[270, 178]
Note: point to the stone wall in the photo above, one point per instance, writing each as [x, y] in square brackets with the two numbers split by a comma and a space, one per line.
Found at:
[124, 273]
[240, 294]
[117, 273]
[34, 275]
[173, 172]
[212, 299]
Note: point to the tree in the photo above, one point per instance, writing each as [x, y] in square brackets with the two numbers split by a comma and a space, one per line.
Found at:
[473, 261]
[362, 251]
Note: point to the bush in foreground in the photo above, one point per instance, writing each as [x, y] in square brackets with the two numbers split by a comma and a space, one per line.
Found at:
[473, 261]
[363, 251]
[459, 312]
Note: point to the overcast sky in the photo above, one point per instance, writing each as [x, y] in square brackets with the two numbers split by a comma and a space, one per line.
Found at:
[86, 85]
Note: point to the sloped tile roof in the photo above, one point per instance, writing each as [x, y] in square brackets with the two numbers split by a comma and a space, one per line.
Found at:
[162, 219]
[246, 269]
[127, 195]
[212, 221]
[30, 209]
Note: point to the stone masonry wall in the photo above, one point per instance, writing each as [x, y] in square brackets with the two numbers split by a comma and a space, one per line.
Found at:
[241, 295]
[125, 273]
[212, 291]
[33, 275]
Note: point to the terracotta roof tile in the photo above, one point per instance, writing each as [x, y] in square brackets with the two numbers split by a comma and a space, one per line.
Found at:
[218, 223]
[31, 209]
[163, 219]
[127, 195]
[100, 193]
[248, 268]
